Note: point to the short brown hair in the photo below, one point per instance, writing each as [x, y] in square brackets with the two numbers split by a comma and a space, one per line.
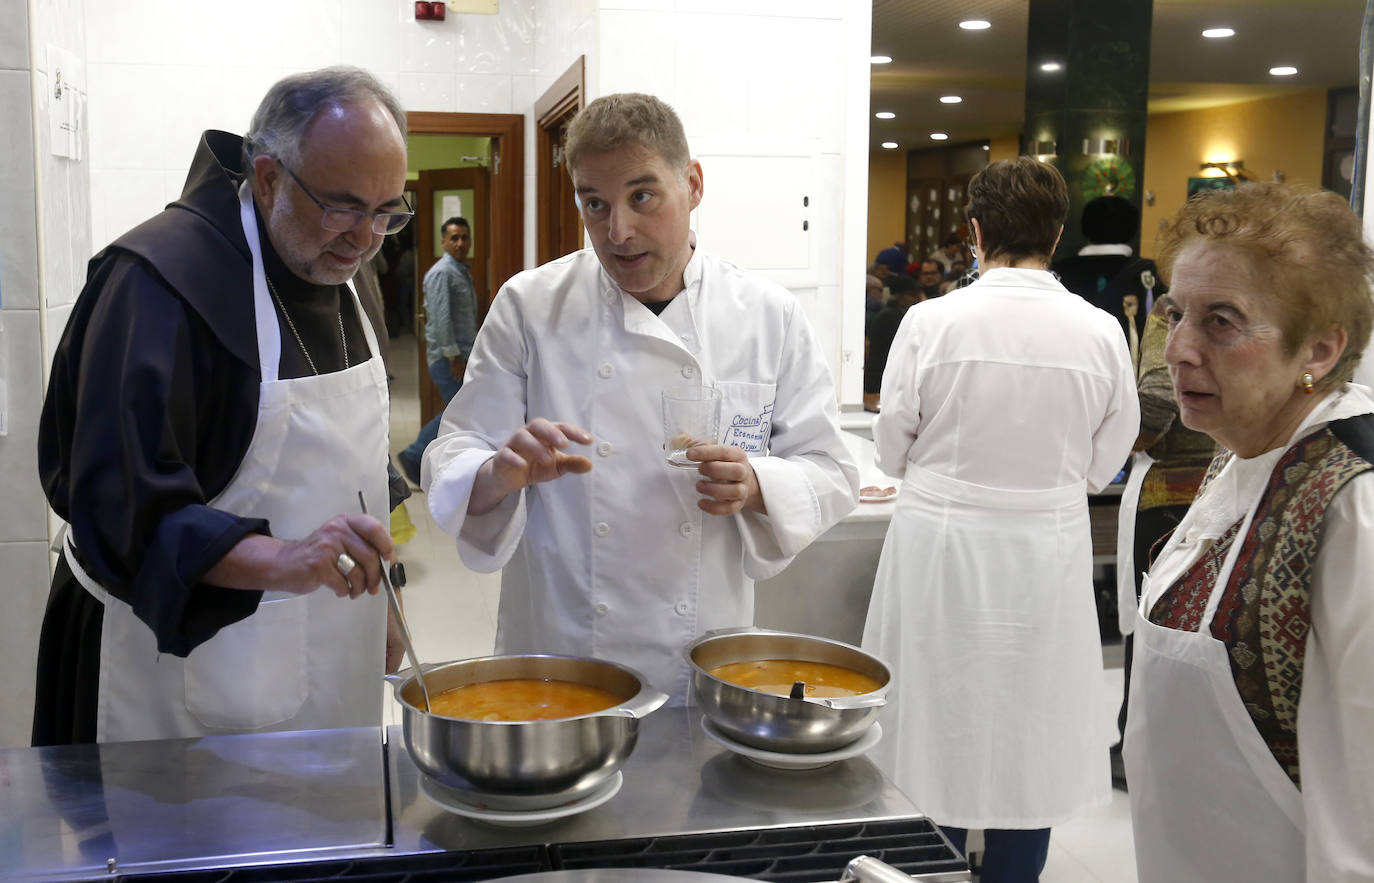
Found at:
[613, 121]
[1020, 204]
[1306, 242]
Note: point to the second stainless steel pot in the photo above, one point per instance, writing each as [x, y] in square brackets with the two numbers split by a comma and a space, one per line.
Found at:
[571, 755]
[805, 725]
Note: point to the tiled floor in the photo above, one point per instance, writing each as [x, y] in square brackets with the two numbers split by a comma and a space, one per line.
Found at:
[452, 615]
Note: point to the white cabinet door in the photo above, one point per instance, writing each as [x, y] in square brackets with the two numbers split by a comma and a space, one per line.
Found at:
[757, 213]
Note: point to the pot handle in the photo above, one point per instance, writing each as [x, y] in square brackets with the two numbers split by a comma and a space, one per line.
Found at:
[398, 679]
[841, 703]
[637, 706]
[865, 869]
[737, 630]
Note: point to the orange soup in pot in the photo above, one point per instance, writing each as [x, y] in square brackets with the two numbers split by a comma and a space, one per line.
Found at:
[521, 699]
[778, 675]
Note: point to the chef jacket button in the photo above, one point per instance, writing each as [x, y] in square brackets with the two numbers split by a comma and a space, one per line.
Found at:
[683, 608]
[602, 610]
[686, 338]
[688, 371]
[603, 529]
[605, 370]
[604, 449]
[686, 528]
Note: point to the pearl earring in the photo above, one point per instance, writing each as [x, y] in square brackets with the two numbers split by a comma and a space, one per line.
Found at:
[1307, 383]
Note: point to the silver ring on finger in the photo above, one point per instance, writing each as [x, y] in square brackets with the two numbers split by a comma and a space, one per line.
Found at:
[345, 564]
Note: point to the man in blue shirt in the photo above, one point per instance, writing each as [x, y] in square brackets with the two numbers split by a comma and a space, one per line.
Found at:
[450, 328]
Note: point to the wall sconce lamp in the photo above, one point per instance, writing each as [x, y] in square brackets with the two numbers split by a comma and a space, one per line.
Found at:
[1116, 146]
[1230, 168]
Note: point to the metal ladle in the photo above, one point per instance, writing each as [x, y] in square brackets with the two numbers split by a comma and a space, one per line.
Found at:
[400, 619]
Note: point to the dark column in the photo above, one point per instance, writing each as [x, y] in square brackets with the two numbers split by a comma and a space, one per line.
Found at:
[1097, 96]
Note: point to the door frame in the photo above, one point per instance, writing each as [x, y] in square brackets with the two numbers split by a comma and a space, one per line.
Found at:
[556, 215]
[507, 134]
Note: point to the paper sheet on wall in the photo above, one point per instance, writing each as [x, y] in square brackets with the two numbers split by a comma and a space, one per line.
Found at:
[452, 207]
[66, 102]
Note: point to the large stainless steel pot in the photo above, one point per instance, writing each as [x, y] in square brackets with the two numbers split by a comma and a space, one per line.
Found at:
[805, 725]
[572, 755]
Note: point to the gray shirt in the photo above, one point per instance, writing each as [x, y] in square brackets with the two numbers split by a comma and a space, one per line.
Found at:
[450, 309]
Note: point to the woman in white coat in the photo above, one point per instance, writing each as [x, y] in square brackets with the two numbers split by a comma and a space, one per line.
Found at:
[1004, 404]
[1250, 743]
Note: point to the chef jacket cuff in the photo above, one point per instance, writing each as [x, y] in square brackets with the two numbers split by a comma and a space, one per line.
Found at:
[485, 542]
[794, 517]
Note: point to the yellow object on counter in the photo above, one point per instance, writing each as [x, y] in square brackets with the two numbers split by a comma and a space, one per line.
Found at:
[402, 528]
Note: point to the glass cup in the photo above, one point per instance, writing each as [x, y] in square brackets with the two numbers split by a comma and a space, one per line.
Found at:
[691, 416]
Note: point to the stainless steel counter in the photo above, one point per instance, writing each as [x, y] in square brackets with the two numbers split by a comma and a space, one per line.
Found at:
[78, 812]
[235, 801]
[677, 781]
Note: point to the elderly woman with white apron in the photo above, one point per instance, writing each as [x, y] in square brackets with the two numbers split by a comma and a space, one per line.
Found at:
[1249, 745]
[1004, 404]
[217, 407]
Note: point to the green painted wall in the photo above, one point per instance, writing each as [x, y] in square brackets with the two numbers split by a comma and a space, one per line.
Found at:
[443, 152]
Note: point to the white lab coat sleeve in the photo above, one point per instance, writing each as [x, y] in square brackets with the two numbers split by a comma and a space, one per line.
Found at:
[896, 427]
[1116, 434]
[1336, 712]
[488, 408]
[809, 479]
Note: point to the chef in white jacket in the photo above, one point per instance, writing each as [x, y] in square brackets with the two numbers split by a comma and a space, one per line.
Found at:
[549, 463]
[1004, 404]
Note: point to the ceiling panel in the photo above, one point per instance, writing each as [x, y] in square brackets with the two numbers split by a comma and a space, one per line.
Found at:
[933, 57]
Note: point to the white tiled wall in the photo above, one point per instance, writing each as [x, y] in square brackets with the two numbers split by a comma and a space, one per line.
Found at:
[37, 252]
[767, 79]
[158, 78]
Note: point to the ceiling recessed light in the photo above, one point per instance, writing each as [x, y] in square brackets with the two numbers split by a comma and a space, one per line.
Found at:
[1218, 33]
[950, 99]
[1283, 71]
[987, 146]
[1050, 67]
[880, 59]
[890, 144]
[975, 24]
[938, 136]
[885, 115]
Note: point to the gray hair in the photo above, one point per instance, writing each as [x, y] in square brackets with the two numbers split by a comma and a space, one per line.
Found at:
[286, 111]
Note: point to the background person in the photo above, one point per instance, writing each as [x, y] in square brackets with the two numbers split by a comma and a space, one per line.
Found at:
[883, 330]
[550, 463]
[450, 328]
[1106, 272]
[1004, 404]
[216, 403]
[1248, 745]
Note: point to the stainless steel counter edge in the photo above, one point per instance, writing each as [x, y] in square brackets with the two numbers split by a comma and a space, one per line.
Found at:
[281, 798]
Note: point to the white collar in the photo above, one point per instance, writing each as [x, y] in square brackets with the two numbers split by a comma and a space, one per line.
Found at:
[1120, 248]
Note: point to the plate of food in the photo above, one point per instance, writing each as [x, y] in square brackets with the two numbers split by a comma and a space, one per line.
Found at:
[874, 494]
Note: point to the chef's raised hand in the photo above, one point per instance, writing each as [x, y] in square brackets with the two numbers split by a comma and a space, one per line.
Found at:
[728, 483]
[533, 454]
[343, 554]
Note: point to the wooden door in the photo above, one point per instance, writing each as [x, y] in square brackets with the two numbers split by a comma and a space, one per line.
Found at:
[464, 192]
[559, 225]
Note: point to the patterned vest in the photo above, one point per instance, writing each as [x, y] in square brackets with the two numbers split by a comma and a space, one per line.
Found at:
[1264, 613]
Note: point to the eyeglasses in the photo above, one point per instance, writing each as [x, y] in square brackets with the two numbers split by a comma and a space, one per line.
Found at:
[342, 220]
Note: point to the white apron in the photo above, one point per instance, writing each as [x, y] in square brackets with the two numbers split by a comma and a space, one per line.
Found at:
[983, 606]
[299, 661]
[1246, 821]
[1126, 600]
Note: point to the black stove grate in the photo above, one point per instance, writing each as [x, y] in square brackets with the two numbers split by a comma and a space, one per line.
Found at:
[435, 867]
[800, 854]
[808, 854]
